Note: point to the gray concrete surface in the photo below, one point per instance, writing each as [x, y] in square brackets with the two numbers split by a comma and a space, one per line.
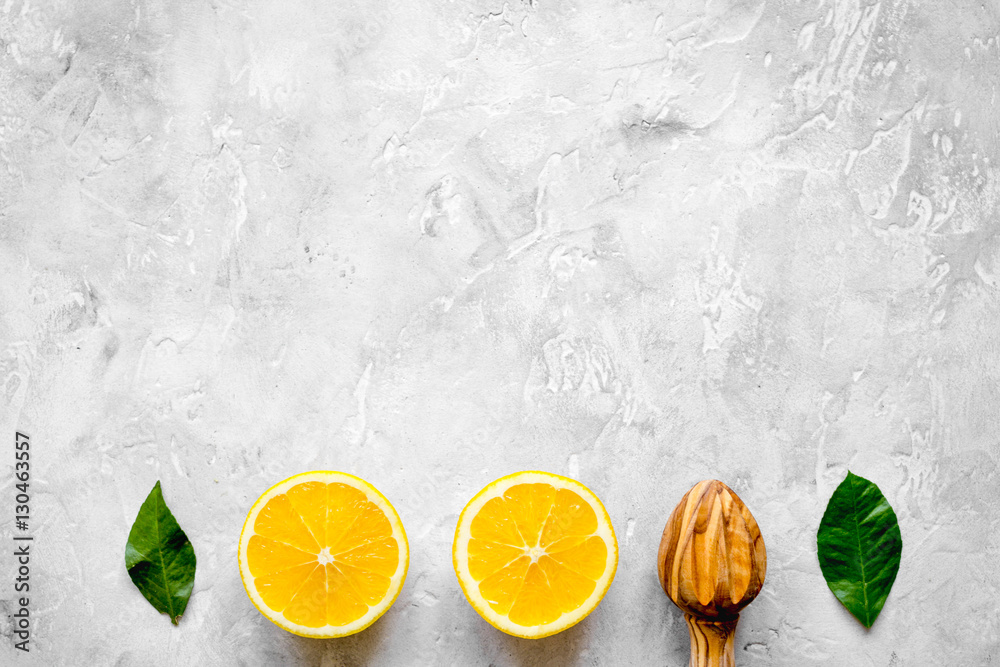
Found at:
[431, 243]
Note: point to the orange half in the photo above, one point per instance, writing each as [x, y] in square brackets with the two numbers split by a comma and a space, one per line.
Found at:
[323, 554]
[534, 553]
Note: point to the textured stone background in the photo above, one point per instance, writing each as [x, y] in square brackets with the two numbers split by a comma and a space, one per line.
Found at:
[431, 243]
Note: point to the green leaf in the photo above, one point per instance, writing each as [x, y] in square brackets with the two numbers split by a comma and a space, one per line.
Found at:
[859, 547]
[159, 557]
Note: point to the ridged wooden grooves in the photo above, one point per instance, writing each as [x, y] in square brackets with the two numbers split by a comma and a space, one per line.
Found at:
[711, 642]
[711, 564]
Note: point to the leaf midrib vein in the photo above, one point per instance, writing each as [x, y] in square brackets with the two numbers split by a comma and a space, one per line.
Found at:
[861, 560]
[159, 553]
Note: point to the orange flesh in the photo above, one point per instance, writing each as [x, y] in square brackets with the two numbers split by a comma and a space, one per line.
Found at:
[321, 554]
[534, 553]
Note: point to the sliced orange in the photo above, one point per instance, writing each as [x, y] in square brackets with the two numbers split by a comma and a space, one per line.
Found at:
[323, 554]
[534, 553]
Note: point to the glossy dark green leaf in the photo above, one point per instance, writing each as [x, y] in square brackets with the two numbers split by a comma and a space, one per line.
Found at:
[859, 547]
[159, 557]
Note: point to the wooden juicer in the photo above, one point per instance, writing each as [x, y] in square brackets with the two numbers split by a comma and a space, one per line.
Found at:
[711, 563]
